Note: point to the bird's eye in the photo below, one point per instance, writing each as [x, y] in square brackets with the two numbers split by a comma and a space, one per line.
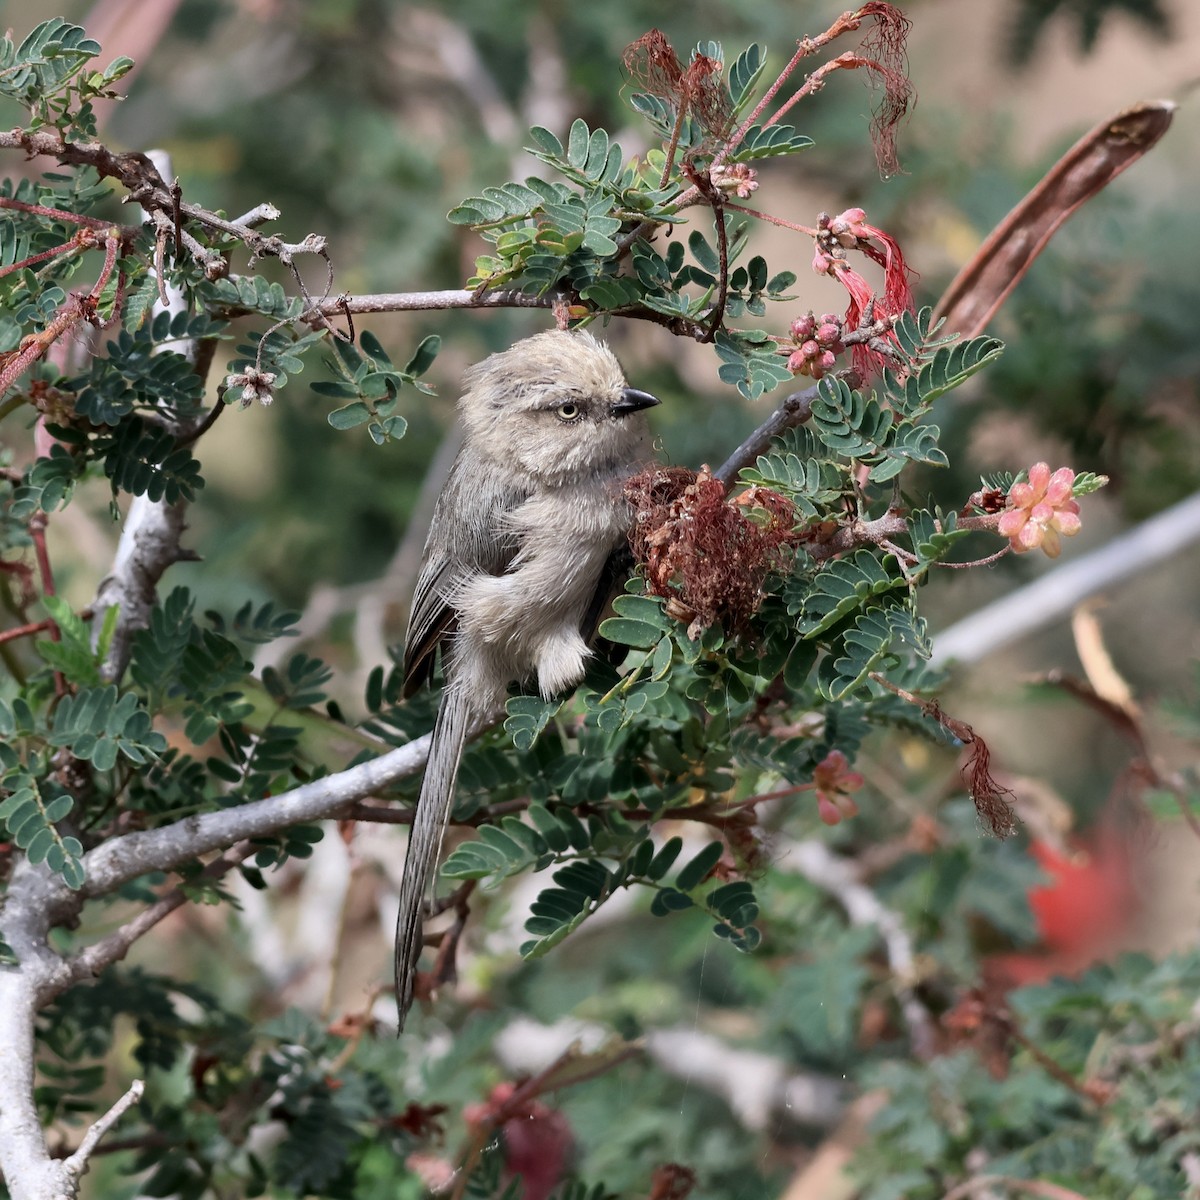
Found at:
[569, 411]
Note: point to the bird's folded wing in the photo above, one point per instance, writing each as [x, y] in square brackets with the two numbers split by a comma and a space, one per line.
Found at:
[481, 544]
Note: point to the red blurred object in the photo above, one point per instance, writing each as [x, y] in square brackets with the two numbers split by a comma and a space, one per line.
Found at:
[1082, 914]
[537, 1139]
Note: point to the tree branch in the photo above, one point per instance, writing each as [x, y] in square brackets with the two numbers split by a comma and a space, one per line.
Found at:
[839, 877]
[381, 302]
[77, 1165]
[124, 858]
[1056, 593]
[90, 962]
[149, 545]
[145, 182]
[34, 900]
[795, 410]
[757, 1087]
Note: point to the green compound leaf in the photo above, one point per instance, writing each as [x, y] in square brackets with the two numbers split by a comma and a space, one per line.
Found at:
[527, 717]
[769, 142]
[30, 812]
[751, 362]
[871, 641]
[745, 72]
[697, 870]
[583, 886]
[933, 537]
[837, 590]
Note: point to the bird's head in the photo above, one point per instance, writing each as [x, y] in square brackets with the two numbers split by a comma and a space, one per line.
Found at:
[557, 407]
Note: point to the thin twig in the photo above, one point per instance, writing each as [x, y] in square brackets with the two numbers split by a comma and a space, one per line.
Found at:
[379, 814]
[90, 962]
[846, 23]
[72, 244]
[553, 1078]
[839, 877]
[816, 81]
[57, 214]
[1145, 768]
[77, 1164]
[717, 314]
[806, 230]
[10, 635]
[976, 562]
[760, 1090]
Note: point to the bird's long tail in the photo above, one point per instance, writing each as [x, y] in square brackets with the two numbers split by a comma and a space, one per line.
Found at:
[425, 841]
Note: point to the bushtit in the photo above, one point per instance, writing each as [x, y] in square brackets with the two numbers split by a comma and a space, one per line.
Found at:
[517, 562]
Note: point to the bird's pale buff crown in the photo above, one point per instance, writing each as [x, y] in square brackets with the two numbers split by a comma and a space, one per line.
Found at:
[553, 407]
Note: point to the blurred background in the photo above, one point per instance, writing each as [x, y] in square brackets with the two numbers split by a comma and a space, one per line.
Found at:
[367, 120]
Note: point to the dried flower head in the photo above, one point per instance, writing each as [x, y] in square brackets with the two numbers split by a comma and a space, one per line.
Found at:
[254, 384]
[884, 55]
[739, 178]
[986, 794]
[695, 90]
[707, 554]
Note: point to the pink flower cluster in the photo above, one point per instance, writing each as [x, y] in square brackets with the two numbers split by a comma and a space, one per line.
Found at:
[849, 230]
[833, 782]
[1041, 511]
[820, 342]
[848, 226]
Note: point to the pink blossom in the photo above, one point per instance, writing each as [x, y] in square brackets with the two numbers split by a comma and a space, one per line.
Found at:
[833, 782]
[819, 345]
[849, 226]
[1041, 511]
[849, 230]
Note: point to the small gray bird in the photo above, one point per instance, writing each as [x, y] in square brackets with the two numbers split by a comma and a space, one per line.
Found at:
[518, 562]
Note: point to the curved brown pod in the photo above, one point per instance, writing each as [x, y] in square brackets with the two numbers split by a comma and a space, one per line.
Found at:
[983, 285]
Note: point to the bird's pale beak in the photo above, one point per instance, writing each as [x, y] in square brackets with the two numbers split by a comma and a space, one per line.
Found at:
[632, 401]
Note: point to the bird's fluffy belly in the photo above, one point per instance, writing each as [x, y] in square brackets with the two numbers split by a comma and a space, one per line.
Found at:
[563, 552]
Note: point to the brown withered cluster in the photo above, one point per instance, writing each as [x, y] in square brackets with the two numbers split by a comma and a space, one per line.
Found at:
[695, 90]
[706, 554]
